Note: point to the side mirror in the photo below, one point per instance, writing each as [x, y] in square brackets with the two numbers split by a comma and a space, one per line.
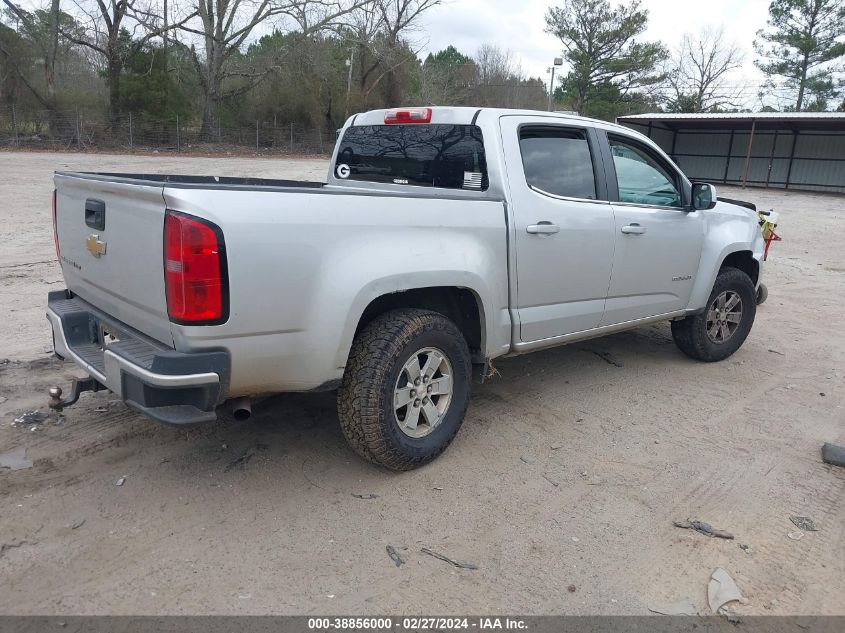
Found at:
[703, 196]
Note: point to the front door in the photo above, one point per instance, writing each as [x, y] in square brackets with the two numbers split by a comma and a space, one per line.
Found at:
[658, 239]
[563, 226]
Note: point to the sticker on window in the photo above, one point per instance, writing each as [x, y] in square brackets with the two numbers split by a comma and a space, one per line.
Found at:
[343, 171]
[472, 180]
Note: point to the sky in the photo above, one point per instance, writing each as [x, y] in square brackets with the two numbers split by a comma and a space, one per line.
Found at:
[518, 26]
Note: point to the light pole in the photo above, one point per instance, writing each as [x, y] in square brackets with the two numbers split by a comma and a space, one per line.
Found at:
[557, 62]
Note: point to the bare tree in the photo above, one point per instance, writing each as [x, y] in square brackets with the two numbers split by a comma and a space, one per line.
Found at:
[43, 31]
[226, 25]
[500, 81]
[379, 28]
[698, 74]
[494, 64]
[107, 21]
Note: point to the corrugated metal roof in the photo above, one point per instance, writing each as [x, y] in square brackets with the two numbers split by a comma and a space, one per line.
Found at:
[736, 116]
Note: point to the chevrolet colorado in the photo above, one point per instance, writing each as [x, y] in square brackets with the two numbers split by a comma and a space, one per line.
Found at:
[443, 238]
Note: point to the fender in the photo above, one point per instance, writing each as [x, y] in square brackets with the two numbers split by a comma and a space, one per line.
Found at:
[729, 231]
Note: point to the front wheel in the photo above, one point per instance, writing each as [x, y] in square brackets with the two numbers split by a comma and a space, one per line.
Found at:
[725, 323]
[406, 388]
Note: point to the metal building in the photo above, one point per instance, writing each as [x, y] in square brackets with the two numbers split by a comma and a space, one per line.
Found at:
[804, 150]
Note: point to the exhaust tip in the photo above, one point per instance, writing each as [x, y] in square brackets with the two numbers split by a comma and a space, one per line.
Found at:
[242, 409]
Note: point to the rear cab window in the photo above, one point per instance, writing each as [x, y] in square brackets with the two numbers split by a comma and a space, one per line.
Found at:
[558, 161]
[447, 156]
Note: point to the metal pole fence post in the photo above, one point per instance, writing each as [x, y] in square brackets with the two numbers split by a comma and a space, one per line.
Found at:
[15, 123]
[291, 137]
[256, 136]
[320, 138]
[178, 144]
[131, 140]
[78, 132]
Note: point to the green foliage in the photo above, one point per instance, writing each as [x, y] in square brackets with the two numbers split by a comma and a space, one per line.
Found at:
[609, 101]
[600, 45]
[151, 85]
[15, 52]
[803, 41]
[450, 58]
[308, 86]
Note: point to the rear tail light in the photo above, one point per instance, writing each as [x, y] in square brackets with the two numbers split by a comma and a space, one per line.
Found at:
[56, 229]
[195, 271]
[408, 115]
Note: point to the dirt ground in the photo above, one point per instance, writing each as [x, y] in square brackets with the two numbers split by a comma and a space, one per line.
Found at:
[562, 486]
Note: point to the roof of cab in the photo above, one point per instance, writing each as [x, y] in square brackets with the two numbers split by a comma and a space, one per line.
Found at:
[462, 115]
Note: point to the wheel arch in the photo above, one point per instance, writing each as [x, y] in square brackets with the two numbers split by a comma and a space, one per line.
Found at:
[738, 255]
[743, 260]
[461, 305]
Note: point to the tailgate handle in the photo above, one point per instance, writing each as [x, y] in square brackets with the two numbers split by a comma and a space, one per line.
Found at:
[95, 214]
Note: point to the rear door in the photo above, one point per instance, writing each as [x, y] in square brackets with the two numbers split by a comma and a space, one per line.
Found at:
[658, 238]
[110, 233]
[563, 225]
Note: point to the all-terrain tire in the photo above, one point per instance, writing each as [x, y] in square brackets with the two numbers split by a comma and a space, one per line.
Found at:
[366, 395]
[762, 294]
[691, 335]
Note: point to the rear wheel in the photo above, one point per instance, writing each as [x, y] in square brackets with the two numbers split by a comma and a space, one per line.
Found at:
[762, 294]
[725, 323]
[406, 388]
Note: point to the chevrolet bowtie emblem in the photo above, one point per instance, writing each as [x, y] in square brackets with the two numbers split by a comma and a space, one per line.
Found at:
[95, 246]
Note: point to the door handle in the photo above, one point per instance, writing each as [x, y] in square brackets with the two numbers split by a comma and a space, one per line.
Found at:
[542, 228]
[633, 229]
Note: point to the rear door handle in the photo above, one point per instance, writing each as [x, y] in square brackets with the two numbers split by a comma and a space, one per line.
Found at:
[633, 229]
[542, 228]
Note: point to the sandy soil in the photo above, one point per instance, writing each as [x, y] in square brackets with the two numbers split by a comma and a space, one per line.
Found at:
[561, 487]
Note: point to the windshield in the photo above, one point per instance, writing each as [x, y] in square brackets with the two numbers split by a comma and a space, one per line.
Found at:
[447, 156]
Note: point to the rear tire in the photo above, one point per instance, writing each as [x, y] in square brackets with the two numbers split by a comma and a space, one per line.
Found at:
[380, 418]
[726, 321]
[762, 294]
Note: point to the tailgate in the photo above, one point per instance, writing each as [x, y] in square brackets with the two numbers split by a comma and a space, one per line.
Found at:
[110, 233]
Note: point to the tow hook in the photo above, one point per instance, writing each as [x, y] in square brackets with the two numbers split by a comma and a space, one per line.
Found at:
[77, 387]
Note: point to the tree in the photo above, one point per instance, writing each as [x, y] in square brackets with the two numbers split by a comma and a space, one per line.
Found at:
[501, 83]
[601, 48]
[109, 37]
[225, 25]
[309, 87]
[698, 75]
[378, 30]
[149, 84]
[446, 77]
[41, 28]
[803, 40]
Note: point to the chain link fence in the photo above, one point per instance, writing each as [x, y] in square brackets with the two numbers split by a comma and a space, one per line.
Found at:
[64, 130]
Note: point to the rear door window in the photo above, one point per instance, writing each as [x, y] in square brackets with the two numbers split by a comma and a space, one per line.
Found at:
[438, 155]
[558, 161]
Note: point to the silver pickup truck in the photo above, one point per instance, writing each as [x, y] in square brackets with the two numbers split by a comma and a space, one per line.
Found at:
[443, 238]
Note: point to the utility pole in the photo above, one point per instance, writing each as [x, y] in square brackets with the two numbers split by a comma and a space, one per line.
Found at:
[349, 63]
[557, 62]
